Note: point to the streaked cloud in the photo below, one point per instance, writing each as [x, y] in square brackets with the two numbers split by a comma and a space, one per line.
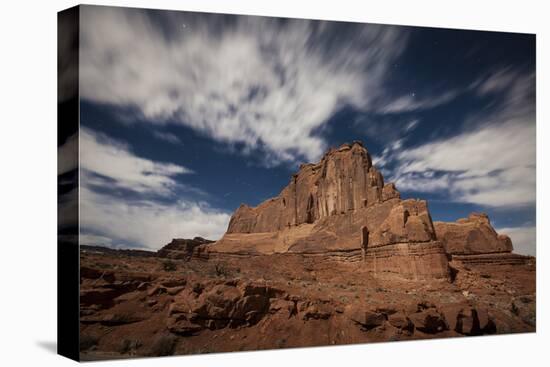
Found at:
[166, 136]
[412, 125]
[147, 223]
[257, 81]
[105, 161]
[492, 161]
[141, 219]
[523, 238]
[412, 102]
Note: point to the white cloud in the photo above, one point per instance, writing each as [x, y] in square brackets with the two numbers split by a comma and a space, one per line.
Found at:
[412, 102]
[523, 239]
[250, 80]
[107, 164]
[491, 162]
[422, 182]
[169, 137]
[494, 166]
[411, 125]
[148, 224]
[114, 160]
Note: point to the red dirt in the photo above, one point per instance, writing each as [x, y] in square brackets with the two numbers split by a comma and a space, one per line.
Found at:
[146, 306]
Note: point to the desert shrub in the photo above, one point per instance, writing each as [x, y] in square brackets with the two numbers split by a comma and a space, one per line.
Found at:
[129, 346]
[514, 308]
[163, 345]
[87, 341]
[221, 270]
[169, 266]
[281, 343]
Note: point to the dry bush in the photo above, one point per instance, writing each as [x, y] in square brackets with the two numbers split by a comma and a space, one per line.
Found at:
[163, 345]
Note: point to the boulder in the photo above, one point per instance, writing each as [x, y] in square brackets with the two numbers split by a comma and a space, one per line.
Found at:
[429, 321]
[365, 318]
[400, 321]
[219, 306]
[474, 321]
[316, 310]
[472, 235]
[280, 305]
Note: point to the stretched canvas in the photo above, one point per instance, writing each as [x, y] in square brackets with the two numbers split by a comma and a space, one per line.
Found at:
[235, 183]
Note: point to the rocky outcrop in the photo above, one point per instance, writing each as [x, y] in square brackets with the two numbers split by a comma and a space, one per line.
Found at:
[473, 241]
[408, 221]
[472, 235]
[223, 305]
[322, 211]
[343, 181]
[181, 248]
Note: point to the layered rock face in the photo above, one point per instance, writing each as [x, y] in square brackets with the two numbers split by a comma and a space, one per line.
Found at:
[405, 243]
[343, 181]
[321, 213]
[181, 248]
[472, 235]
[474, 241]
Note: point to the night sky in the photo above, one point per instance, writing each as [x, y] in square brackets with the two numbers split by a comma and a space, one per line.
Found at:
[185, 116]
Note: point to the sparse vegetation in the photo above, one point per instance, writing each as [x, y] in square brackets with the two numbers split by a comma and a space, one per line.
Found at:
[221, 270]
[169, 266]
[87, 341]
[130, 346]
[163, 345]
[515, 309]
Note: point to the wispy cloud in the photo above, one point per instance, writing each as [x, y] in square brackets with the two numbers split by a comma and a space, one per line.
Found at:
[108, 161]
[252, 80]
[523, 238]
[166, 136]
[412, 102]
[492, 161]
[411, 125]
[147, 223]
[140, 219]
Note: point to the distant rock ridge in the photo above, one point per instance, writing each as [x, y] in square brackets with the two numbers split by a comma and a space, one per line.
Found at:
[180, 248]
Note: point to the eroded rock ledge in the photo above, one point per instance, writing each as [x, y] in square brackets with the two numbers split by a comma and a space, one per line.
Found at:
[322, 211]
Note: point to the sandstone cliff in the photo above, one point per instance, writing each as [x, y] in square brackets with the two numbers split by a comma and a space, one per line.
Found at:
[322, 210]
[343, 181]
[472, 235]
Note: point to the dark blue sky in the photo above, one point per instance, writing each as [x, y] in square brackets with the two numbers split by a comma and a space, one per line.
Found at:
[216, 111]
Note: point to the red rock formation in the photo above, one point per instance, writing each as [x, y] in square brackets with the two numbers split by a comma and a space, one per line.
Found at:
[472, 235]
[321, 213]
[473, 241]
[343, 181]
[409, 221]
[181, 248]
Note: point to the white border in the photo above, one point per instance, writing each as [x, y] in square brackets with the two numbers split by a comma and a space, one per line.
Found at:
[28, 184]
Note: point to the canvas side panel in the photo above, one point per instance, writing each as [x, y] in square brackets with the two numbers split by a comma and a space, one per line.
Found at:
[67, 184]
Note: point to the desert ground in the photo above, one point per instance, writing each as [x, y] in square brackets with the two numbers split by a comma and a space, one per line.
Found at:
[140, 305]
